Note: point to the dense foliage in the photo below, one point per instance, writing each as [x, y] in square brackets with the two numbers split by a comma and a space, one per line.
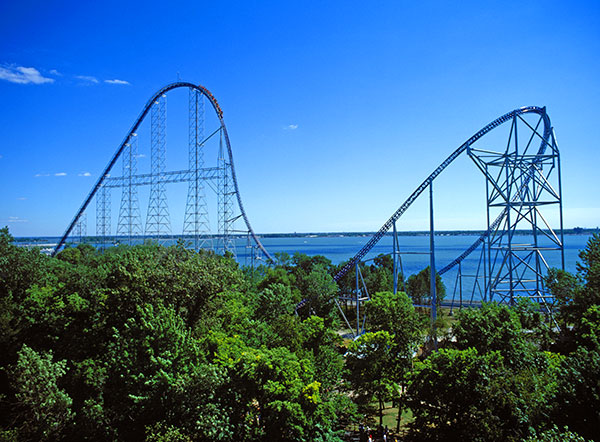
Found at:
[165, 344]
[158, 343]
[505, 374]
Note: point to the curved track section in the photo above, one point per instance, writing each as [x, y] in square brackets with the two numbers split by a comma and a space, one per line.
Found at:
[133, 129]
[462, 148]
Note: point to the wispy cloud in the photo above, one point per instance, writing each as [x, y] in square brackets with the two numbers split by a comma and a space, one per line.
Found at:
[55, 73]
[23, 75]
[84, 174]
[1, 157]
[49, 174]
[291, 127]
[116, 81]
[16, 219]
[21, 198]
[88, 78]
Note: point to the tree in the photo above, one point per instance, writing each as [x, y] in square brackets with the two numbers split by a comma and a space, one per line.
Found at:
[395, 314]
[321, 344]
[377, 276]
[155, 374]
[578, 299]
[555, 434]
[468, 395]
[272, 394]
[575, 294]
[319, 290]
[493, 327]
[372, 369]
[577, 402]
[43, 408]
[418, 286]
[450, 396]
[166, 344]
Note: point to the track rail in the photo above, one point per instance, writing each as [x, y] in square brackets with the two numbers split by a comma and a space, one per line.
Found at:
[138, 121]
[461, 149]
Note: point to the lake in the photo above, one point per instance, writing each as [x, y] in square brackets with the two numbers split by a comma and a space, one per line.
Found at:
[415, 250]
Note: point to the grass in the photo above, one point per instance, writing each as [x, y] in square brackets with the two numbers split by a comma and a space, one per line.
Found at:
[390, 414]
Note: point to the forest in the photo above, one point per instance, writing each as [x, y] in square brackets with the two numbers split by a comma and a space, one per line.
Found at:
[153, 343]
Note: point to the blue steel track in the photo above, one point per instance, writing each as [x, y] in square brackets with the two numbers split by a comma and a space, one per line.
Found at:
[134, 129]
[461, 149]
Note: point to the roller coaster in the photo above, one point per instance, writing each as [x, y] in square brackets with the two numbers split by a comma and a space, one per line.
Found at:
[521, 171]
[521, 185]
[221, 178]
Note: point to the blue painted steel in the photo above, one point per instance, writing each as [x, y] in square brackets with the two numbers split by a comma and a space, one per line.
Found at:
[133, 130]
[432, 273]
[463, 148]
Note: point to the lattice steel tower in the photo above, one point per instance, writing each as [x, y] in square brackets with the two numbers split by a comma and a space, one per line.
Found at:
[196, 222]
[103, 214]
[225, 196]
[219, 178]
[158, 224]
[524, 187]
[130, 220]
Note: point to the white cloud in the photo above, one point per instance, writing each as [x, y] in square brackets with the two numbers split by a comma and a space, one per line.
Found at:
[84, 174]
[55, 72]
[16, 219]
[291, 127]
[21, 198]
[60, 174]
[41, 174]
[116, 81]
[23, 75]
[87, 78]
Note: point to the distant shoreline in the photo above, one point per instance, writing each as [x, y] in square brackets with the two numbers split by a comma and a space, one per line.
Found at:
[574, 231]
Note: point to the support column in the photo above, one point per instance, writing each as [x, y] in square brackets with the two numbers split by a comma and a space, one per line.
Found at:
[560, 204]
[196, 222]
[158, 224]
[395, 256]
[432, 266]
[225, 194]
[103, 215]
[80, 230]
[130, 224]
[356, 268]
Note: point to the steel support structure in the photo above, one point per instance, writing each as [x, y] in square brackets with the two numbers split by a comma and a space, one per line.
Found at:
[432, 272]
[103, 215]
[519, 183]
[478, 281]
[196, 222]
[158, 224]
[397, 261]
[524, 187]
[130, 221]
[80, 231]
[225, 197]
[221, 179]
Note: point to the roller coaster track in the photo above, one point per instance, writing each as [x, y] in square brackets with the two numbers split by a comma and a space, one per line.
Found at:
[134, 128]
[461, 149]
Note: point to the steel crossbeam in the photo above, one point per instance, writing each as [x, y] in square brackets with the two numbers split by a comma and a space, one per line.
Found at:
[519, 185]
[177, 176]
[220, 179]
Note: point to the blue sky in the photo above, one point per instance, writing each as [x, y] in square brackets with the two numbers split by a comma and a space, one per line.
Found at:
[336, 110]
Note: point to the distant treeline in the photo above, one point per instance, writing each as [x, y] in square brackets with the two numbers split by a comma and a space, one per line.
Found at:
[92, 238]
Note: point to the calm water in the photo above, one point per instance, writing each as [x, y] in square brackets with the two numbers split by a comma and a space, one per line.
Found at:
[414, 248]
